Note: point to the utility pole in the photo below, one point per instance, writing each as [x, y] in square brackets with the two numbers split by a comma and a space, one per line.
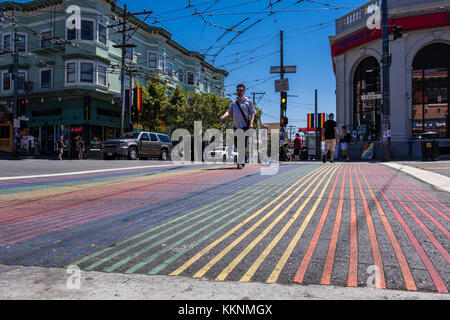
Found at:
[124, 47]
[15, 84]
[282, 115]
[316, 119]
[130, 98]
[386, 110]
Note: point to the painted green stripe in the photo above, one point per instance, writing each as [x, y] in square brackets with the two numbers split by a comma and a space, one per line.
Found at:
[205, 237]
[90, 267]
[159, 253]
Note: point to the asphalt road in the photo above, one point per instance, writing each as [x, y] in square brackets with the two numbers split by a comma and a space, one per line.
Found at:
[348, 225]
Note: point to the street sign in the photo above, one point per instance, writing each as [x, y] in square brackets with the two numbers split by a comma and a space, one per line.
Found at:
[282, 85]
[287, 69]
[371, 96]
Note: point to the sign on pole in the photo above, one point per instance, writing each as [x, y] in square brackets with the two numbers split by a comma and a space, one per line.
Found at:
[287, 69]
[282, 85]
[371, 96]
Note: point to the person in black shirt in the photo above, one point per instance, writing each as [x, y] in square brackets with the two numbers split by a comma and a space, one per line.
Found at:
[330, 132]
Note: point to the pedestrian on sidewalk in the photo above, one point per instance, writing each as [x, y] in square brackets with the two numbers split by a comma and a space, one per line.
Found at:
[331, 134]
[297, 146]
[345, 140]
[60, 147]
[81, 148]
[243, 112]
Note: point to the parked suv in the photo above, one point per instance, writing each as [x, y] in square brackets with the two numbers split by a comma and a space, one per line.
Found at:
[133, 145]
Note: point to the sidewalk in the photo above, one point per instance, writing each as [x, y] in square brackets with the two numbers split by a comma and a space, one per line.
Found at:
[26, 283]
[435, 173]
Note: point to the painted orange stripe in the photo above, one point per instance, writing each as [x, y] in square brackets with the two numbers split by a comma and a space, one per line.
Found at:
[315, 239]
[353, 263]
[406, 272]
[328, 268]
[372, 234]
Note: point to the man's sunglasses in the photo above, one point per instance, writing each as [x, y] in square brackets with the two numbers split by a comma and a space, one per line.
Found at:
[240, 90]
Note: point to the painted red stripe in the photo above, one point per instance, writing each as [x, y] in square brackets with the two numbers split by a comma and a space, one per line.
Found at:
[437, 280]
[417, 220]
[406, 272]
[430, 217]
[398, 179]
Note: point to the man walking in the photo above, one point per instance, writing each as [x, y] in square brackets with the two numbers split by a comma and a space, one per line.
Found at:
[242, 110]
[330, 132]
[61, 146]
[297, 146]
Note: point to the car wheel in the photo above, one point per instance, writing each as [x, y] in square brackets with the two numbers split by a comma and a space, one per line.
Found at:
[132, 154]
[164, 155]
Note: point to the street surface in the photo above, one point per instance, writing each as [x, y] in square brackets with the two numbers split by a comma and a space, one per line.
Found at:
[342, 224]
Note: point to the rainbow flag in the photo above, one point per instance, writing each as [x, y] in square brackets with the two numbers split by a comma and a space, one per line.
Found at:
[310, 121]
[137, 99]
[368, 151]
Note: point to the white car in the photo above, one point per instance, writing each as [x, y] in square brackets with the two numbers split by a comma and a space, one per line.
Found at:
[221, 155]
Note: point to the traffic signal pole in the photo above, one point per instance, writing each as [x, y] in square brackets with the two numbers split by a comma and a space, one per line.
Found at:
[16, 89]
[386, 111]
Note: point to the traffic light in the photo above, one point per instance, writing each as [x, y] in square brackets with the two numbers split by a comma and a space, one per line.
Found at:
[134, 114]
[22, 107]
[397, 32]
[284, 121]
[283, 101]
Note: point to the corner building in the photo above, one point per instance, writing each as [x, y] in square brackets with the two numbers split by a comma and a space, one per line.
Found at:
[75, 90]
[419, 76]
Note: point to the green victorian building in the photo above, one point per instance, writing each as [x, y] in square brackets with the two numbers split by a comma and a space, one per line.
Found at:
[69, 79]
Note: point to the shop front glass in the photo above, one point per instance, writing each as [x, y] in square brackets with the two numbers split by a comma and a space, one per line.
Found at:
[367, 111]
[96, 137]
[430, 102]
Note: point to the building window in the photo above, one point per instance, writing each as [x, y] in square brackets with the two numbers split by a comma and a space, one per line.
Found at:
[87, 30]
[367, 113]
[197, 79]
[71, 34]
[87, 72]
[180, 73]
[190, 77]
[161, 62]
[6, 42]
[71, 69]
[46, 79]
[6, 81]
[22, 42]
[101, 75]
[45, 42]
[152, 60]
[129, 53]
[102, 33]
[21, 80]
[206, 85]
[169, 68]
[431, 86]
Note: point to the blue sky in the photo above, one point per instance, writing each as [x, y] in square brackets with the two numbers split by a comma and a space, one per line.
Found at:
[306, 26]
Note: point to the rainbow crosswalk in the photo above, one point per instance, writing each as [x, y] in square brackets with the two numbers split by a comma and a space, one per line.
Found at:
[352, 224]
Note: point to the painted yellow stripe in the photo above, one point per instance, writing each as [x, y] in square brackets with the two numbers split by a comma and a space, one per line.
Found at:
[219, 240]
[287, 253]
[222, 276]
[219, 256]
[81, 187]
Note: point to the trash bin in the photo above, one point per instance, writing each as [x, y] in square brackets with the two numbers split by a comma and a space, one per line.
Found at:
[430, 146]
